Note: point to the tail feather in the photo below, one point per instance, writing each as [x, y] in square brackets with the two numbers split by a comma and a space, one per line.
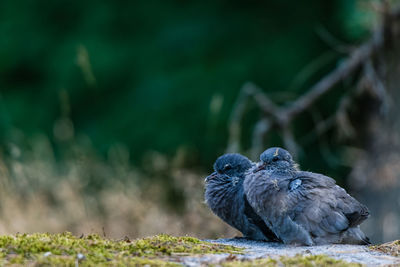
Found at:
[355, 236]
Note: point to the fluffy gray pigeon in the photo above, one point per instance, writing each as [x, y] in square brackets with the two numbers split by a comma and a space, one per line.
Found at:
[303, 208]
[225, 196]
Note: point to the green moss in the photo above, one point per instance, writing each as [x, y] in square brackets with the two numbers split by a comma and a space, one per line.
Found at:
[65, 249]
[268, 262]
[392, 248]
[298, 260]
[316, 260]
[162, 250]
[169, 245]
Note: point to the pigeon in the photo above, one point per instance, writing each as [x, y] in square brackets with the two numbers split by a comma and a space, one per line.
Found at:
[300, 207]
[225, 196]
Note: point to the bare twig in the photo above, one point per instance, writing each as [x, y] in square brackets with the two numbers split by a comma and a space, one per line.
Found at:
[321, 127]
[236, 118]
[249, 90]
[329, 81]
[260, 131]
[289, 141]
[310, 69]
[281, 117]
[332, 41]
[375, 86]
[345, 129]
[262, 100]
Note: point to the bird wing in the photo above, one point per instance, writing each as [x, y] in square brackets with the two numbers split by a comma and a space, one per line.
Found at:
[323, 206]
[258, 221]
[354, 211]
[267, 196]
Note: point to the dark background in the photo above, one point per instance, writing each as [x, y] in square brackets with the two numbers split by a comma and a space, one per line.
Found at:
[143, 73]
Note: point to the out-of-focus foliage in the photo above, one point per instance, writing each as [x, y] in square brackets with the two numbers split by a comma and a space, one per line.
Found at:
[154, 75]
[84, 193]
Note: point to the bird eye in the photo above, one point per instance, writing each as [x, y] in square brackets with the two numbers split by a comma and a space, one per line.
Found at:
[227, 167]
[274, 159]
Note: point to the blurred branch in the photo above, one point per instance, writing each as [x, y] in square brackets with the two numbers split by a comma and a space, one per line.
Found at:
[289, 141]
[374, 84]
[281, 117]
[332, 41]
[311, 69]
[260, 131]
[345, 129]
[327, 83]
[249, 90]
[236, 117]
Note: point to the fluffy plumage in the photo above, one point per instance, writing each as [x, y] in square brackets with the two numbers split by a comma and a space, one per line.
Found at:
[225, 196]
[303, 208]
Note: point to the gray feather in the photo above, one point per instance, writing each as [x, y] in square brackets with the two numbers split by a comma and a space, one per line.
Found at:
[225, 196]
[301, 206]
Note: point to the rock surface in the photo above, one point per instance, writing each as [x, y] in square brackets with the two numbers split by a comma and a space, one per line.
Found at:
[256, 249]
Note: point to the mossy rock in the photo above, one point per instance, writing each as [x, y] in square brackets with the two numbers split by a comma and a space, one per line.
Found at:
[67, 250]
[392, 248]
[298, 260]
[162, 250]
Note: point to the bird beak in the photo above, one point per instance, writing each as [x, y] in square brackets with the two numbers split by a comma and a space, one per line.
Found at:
[260, 167]
[211, 176]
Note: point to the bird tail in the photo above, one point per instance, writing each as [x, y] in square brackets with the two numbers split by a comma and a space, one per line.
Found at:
[355, 236]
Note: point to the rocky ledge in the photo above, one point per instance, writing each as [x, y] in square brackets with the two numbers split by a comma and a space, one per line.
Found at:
[276, 254]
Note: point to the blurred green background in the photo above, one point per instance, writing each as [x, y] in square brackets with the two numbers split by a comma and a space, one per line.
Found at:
[145, 73]
[109, 93]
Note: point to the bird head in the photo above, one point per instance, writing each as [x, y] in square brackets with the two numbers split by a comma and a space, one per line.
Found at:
[276, 158]
[230, 165]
